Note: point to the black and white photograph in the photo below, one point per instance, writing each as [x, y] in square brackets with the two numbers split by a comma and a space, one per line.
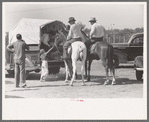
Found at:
[74, 60]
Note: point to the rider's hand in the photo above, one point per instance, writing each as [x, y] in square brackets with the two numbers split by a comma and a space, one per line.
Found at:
[68, 39]
[12, 51]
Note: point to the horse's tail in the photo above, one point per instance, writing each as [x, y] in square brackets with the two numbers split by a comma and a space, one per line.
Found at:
[85, 53]
[110, 57]
[83, 50]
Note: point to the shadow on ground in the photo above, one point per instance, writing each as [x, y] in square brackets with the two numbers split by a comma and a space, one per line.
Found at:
[11, 96]
[9, 82]
[119, 81]
[124, 67]
[95, 79]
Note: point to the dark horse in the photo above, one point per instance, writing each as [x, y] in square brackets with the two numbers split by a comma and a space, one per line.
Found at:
[103, 51]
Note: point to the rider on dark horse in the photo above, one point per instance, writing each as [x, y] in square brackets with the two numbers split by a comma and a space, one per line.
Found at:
[74, 34]
[97, 33]
[103, 51]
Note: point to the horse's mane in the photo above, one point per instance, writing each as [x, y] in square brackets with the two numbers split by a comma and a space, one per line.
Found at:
[84, 34]
[64, 31]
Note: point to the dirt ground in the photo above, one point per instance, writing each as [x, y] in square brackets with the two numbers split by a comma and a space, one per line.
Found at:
[127, 85]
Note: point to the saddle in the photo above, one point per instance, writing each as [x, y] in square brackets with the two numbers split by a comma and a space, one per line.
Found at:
[92, 48]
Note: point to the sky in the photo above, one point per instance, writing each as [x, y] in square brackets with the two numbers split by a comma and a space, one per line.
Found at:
[121, 15]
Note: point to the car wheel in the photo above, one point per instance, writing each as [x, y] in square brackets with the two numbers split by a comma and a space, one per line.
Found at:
[139, 75]
[115, 61]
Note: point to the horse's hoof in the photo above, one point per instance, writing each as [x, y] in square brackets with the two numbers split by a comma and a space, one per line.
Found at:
[42, 79]
[66, 81]
[70, 84]
[83, 84]
[113, 83]
[106, 83]
[86, 80]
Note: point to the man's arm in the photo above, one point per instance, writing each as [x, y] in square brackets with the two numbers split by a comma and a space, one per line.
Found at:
[69, 37]
[26, 47]
[104, 36]
[92, 31]
[9, 47]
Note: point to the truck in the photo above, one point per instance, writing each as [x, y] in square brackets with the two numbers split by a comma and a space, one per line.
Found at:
[124, 52]
[32, 31]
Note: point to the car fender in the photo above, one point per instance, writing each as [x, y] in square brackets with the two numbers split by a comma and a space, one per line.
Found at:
[28, 62]
[121, 56]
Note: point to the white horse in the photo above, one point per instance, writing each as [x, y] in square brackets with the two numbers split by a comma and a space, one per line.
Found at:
[79, 52]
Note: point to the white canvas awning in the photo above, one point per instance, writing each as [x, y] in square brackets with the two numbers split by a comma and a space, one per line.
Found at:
[29, 29]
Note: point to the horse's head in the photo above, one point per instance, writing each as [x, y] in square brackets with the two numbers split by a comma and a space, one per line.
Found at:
[84, 35]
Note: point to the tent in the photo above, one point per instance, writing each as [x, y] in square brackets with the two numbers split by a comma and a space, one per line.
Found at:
[30, 29]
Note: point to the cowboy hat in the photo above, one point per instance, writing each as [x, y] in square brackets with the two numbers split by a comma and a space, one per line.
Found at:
[92, 19]
[71, 19]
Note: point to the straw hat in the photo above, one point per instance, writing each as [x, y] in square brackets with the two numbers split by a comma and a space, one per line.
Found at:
[71, 19]
[92, 19]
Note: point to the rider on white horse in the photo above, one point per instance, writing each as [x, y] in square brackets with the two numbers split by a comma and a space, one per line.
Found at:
[73, 35]
[79, 50]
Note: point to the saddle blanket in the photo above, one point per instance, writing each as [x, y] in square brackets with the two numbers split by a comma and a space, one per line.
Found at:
[93, 47]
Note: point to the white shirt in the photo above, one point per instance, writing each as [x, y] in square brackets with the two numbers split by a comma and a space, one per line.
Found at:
[97, 31]
[75, 31]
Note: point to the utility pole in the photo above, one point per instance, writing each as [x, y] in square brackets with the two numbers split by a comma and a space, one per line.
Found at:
[112, 29]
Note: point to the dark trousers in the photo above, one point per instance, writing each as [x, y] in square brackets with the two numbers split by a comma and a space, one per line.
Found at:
[20, 73]
[91, 41]
[67, 44]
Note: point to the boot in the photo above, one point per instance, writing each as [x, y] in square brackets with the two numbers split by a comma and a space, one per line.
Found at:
[65, 54]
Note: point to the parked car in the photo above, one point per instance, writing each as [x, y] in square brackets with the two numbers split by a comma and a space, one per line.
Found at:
[124, 52]
[138, 65]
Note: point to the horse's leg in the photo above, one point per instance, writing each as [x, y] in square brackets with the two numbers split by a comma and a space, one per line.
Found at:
[82, 71]
[105, 65]
[83, 64]
[67, 72]
[71, 71]
[107, 76]
[85, 69]
[74, 62]
[76, 76]
[70, 68]
[89, 69]
[113, 74]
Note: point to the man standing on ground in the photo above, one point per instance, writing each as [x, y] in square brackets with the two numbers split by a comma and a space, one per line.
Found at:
[74, 34]
[19, 50]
